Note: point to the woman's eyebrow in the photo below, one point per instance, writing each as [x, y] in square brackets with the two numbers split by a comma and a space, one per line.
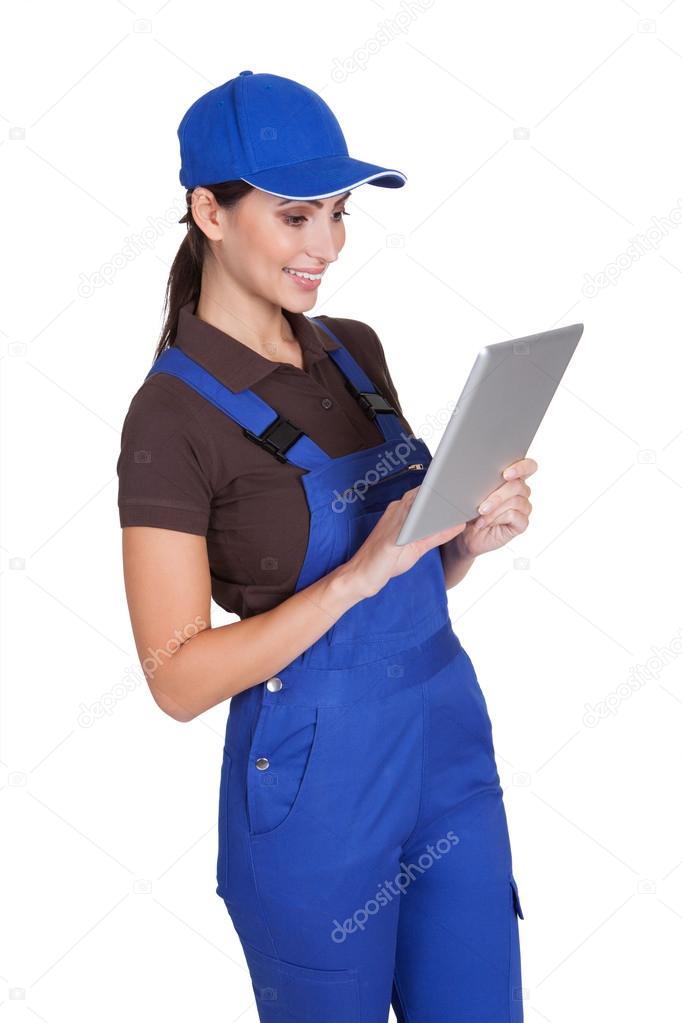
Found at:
[312, 202]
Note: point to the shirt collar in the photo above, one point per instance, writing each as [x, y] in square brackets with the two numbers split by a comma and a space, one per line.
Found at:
[233, 362]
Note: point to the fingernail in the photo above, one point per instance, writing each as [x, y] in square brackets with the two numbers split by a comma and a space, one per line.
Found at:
[509, 473]
[484, 507]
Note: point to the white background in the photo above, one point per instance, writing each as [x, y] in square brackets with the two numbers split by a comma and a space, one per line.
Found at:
[539, 140]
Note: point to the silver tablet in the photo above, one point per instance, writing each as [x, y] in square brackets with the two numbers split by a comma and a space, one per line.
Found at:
[498, 413]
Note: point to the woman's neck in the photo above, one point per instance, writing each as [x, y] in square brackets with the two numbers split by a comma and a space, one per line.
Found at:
[271, 338]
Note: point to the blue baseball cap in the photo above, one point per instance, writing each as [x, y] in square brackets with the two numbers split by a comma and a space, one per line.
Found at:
[275, 134]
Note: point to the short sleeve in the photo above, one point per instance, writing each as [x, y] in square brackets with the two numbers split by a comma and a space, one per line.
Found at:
[164, 466]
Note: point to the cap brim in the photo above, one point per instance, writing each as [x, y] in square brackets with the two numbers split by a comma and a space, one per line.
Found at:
[323, 177]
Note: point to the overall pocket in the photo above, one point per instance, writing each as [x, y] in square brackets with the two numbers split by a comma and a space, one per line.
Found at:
[280, 759]
[221, 866]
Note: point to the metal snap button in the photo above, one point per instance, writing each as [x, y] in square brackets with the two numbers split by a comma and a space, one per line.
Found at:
[262, 763]
[274, 684]
[326, 403]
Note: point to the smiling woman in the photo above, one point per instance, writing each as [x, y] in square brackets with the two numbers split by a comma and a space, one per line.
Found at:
[238, 238]
[344, 667]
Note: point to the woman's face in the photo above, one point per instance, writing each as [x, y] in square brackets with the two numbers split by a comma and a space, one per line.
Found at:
[264, 233]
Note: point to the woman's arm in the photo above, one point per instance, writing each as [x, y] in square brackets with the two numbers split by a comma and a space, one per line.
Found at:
[456, 563]
[191, 666]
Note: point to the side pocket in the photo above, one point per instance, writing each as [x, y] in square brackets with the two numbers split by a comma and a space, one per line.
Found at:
[515, 895]
[280, 758]
[285, 991]
[221, 867]
[515, 985]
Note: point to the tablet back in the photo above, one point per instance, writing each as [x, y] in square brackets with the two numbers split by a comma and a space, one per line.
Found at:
[498, 413]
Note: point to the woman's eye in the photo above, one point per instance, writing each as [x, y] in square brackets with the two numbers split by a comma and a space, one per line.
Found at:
[291, 217]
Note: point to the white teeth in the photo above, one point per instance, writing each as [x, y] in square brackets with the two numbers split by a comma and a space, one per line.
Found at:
[308, 277]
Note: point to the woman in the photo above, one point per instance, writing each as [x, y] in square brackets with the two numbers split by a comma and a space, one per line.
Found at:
[363, 850]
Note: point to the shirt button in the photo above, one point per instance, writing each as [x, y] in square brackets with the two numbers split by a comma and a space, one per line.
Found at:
[326, 403]
[262, 763]
[274, 684]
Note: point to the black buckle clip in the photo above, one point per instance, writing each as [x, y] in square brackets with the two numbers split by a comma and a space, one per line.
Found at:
[370, 402]
[276, 438]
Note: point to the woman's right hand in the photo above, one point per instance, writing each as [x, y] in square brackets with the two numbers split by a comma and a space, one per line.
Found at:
[379, 558]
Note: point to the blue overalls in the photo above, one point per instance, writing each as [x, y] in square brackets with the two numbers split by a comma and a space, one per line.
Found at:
[363, 850]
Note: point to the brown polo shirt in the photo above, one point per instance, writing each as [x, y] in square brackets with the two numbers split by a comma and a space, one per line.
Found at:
[187, 466]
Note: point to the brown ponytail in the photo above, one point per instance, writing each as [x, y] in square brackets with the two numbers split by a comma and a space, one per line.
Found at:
[184, 280]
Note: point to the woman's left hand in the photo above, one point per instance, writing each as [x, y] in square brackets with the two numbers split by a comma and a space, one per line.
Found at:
[504, 513]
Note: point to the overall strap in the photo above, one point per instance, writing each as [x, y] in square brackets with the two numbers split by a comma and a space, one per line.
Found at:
[259, 421]
[373, 404]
